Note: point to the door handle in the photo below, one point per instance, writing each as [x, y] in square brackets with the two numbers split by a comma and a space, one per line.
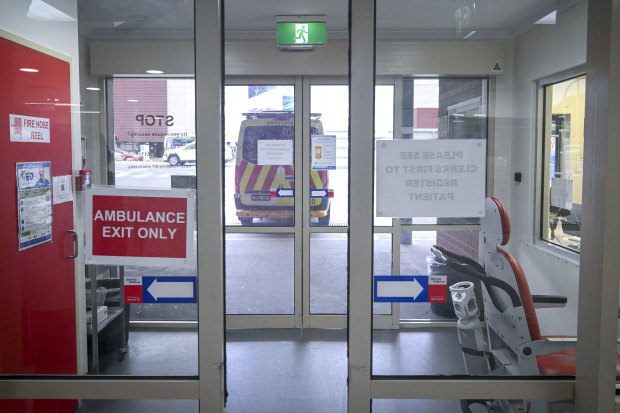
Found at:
[75, 244]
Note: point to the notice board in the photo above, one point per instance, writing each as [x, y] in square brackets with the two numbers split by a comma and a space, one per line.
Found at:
[37, 298]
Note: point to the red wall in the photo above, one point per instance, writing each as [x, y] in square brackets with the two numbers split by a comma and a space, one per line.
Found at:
[37, 298]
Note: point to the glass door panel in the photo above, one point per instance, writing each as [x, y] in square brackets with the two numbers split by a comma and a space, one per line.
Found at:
[384, 126]
[291, 266]
[154, 129]
[329, 148]
[260, 274]
[259, 192]
[259, 134]
[154, 147]
[382, 263]
[328, 273]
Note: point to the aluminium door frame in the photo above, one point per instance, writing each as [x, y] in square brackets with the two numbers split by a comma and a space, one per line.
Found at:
[245, 321]
[302, 229]
[315, 320]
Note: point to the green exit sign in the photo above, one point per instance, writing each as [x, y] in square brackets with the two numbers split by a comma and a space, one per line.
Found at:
[301, 34]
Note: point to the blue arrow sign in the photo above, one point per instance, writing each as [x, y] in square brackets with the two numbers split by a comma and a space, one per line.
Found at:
[401, 288]
[168, 289]
[285, 192]
[319, 193]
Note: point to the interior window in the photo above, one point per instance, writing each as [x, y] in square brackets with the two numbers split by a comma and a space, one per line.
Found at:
[563, 126]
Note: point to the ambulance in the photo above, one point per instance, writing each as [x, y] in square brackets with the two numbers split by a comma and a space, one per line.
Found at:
[264, 175]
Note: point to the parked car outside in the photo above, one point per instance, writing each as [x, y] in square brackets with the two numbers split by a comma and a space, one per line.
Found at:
[126, 156]
[187, 153]
[178, 156]
[173, 142]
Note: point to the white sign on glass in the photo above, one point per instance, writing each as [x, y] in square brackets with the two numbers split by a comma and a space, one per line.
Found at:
[323, 152]
[562, 193]
[431, 178]
[275, 152]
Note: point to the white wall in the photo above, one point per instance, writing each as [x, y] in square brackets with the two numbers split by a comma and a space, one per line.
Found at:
[467, 58]
[500, 127]
[61, 38]
[259, 58]
[539, 53]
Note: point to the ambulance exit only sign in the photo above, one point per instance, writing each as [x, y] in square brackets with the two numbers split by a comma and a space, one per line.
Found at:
[140, 227]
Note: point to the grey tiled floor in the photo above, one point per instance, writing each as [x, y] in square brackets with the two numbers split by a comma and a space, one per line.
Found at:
[285, 370]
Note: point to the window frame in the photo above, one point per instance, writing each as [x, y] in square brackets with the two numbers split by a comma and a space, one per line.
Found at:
[542, 170]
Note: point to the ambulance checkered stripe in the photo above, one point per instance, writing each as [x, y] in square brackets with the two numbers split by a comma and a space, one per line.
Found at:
[264, 177]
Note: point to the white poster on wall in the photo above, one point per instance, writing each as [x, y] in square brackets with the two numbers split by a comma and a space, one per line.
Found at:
[34, 204]
[431, 178]
[62, 189]
[275, 151]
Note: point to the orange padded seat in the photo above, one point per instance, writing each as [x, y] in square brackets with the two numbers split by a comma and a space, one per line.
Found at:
[561, 363]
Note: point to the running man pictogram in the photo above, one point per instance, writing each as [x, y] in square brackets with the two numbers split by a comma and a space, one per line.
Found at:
[301, 33]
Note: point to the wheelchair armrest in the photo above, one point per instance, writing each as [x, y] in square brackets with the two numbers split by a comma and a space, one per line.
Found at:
[549, 301]
[546, 346]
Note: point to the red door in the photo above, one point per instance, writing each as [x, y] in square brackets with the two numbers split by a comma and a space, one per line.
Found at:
[37, 293]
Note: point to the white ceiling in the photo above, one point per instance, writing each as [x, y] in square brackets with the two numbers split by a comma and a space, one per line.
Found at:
[255, 19]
